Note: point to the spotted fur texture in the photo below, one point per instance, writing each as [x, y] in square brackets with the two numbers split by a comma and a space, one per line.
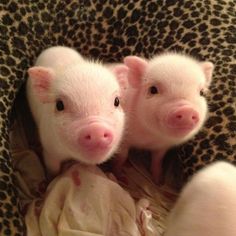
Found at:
[110, 30]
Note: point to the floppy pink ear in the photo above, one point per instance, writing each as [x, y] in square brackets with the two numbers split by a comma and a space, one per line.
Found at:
[207, 68]
[41, 79]
[121, 73]
[137, 66]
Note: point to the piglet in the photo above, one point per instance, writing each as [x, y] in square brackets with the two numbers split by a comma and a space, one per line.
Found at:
[164, 104]
[207, 204]
[76, 106]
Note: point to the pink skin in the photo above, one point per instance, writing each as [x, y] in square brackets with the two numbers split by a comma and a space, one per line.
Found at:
[95, 136]
[183, 118]
[163, 104]
[89, 127]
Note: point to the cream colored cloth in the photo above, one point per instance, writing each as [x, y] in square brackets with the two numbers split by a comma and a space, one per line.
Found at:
[135, 206]
[85, 202]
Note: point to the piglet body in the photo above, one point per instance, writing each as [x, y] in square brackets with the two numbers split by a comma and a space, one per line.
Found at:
[164, 104]
[75, 104]
[207, 204]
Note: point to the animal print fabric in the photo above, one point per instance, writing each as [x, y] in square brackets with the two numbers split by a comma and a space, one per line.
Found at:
[109, 30]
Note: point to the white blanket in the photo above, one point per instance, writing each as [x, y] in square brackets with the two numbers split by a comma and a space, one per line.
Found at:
[84, 202]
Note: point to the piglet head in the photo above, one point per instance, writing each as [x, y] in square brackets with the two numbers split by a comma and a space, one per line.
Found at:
[83, 106]
[170, 102]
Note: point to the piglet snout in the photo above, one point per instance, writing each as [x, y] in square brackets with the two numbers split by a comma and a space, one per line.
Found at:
[95, 137]
[183, 118]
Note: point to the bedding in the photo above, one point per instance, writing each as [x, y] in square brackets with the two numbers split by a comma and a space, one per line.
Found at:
[110, 30]
[88, 200]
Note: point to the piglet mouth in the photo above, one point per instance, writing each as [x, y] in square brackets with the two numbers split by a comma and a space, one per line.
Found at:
[181, 131]
[98, 148]
[186, 127]
[96, 153]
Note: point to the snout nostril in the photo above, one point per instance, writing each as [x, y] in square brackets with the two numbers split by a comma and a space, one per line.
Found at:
[179, 117]
[107, 135]
[88, 137]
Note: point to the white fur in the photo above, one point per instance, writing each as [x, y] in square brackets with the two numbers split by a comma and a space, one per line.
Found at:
[57, 57]
[207, 205]
[179, 79]
[88, 90]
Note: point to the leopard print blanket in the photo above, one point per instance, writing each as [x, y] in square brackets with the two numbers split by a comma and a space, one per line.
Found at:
[109, 30]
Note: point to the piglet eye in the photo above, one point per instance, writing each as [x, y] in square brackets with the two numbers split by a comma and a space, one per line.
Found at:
[116, 102]
[153, 90]
[59, 105]
[202, 92]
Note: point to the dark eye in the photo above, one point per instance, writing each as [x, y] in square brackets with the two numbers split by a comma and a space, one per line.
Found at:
[202, 93]
[59, 105]
[153, 90]
[116, 102]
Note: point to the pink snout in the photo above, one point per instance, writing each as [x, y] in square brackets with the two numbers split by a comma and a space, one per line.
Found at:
[95, 137]
[183, 118]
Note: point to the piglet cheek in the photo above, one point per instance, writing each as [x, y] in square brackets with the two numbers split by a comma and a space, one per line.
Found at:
[67, 132]
[153, 110]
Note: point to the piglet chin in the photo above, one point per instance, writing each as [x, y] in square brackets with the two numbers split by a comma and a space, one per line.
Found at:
[96, 156]
[181, 131]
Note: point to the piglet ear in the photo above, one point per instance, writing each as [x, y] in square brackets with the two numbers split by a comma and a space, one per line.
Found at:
[208, 68]
[121, 73]
[137, 66]
[41, 81]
